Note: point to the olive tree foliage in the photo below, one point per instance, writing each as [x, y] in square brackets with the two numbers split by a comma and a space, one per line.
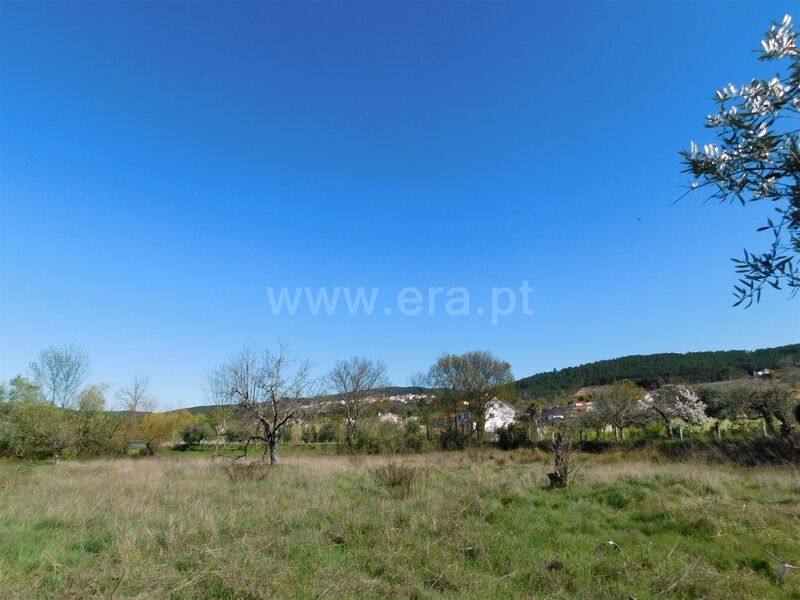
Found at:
[354, 380]
[756, 158]
[60, 373]
[752, 399]
[619, 405]
[472, 379]
[268, 387]
[677, 403]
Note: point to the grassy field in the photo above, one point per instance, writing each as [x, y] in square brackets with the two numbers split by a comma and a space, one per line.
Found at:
[473, 526]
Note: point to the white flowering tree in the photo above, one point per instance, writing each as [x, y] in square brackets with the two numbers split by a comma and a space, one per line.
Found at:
[679, 404]
[756, 157]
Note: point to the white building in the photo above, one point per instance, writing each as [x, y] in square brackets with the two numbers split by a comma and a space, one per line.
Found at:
[498, 414]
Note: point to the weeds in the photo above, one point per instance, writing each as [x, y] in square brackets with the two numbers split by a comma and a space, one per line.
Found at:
[396, 477]
[240, 472]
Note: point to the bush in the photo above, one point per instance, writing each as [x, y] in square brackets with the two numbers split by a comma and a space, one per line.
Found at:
[513, 436]
[309, 435]
[235, 434]
[453, 439]
[196, 434]
[368, 442]
[395, 477]
[411, 427]
[329, 432]
[413, 442]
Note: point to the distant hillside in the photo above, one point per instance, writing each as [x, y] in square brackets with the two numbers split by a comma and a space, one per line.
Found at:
[655, 369]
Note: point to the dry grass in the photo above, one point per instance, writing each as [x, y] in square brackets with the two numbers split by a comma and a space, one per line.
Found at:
[473, 526]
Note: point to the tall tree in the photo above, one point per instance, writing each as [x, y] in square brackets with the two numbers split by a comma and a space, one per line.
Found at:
[60, 373]
[757, 159]
[354, 380]
[474, 378]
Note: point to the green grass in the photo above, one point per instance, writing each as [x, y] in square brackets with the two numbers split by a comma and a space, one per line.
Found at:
[473, 526]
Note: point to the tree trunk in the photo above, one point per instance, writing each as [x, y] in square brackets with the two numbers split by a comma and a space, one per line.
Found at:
[680, 431]
[719, 431]
[480, 426]
[273, 449]
[669, 428]
[559, 476]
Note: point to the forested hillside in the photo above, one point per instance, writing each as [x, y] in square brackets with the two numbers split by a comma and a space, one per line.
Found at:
[655, 369]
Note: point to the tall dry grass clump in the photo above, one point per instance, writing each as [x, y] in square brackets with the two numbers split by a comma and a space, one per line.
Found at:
[395, 477]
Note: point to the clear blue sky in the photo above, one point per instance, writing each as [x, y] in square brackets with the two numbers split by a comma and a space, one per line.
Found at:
[164, 163]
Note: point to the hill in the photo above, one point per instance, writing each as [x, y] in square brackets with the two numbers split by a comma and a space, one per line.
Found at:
[651, 370]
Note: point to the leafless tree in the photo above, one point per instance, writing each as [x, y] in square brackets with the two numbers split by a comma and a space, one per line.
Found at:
[132, 396]
[60, 373]
[268, 387]
[354, 379]
[222, 415]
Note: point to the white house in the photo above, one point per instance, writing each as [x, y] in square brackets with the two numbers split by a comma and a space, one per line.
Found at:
[389, 418]
[498, 414]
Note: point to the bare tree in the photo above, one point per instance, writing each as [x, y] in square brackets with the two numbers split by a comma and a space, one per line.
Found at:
[132, 396]
[222, 415]
[268, 387]
[354, 379]
[60, 373]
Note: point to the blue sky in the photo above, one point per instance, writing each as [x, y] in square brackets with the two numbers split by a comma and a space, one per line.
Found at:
[162, 164]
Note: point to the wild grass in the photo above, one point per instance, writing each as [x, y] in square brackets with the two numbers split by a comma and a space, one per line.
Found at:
[324, 527]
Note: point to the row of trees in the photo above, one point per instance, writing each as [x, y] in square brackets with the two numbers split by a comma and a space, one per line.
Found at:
[625, 404]
[276, 390]
[265, 397]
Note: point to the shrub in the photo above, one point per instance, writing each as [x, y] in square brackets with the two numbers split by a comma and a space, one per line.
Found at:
[368, 442]
[413, 442]
[512, 436]
[196, 434]
[309, 435]
[329, 432]
[395, 477]
[411, 427]
[235, 434]
[453, 439]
